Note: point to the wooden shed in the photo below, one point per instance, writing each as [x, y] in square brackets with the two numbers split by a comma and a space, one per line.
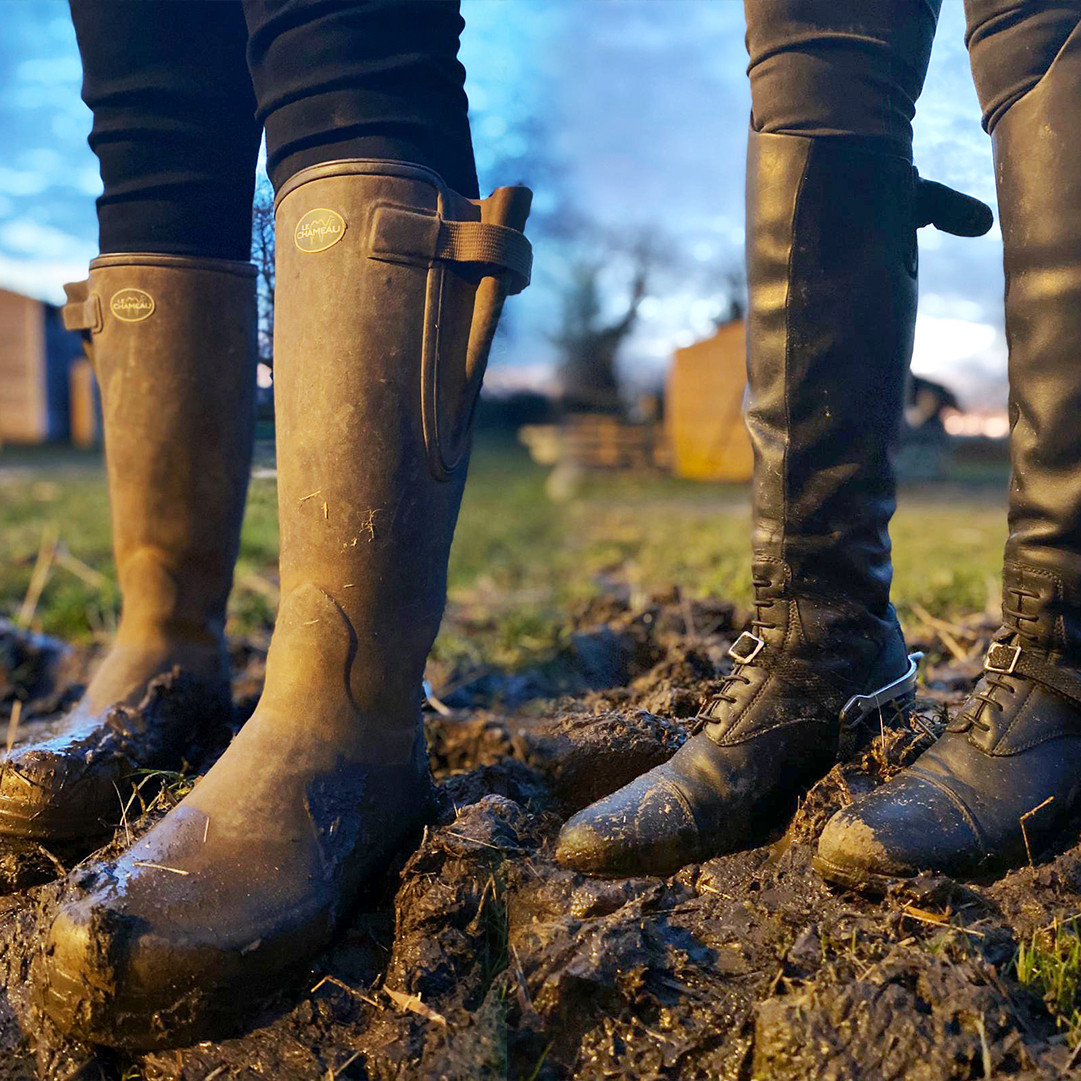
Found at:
[39, 360]
[704, 423]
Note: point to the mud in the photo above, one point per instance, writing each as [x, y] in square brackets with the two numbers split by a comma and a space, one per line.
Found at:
[478, 957]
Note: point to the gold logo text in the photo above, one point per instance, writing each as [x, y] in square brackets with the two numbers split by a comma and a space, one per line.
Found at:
[319, 229]
[132, 305]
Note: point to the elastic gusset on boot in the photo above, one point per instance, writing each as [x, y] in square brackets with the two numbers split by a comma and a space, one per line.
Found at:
[474, 252]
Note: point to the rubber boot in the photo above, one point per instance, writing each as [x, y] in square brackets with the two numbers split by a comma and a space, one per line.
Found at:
[999, 783]
[831, 264]
[172, 341]
[389, 287]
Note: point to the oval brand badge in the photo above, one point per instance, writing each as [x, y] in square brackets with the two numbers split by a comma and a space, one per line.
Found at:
[319, 229]
[132, 305]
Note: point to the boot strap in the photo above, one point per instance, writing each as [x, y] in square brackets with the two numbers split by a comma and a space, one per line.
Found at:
[398, 233]
[1007, 660]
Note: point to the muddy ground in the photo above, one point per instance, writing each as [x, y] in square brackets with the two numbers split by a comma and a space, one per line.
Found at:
[479, 958]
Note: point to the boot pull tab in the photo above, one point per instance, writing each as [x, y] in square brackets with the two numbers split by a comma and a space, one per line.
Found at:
[83, 309]
[949, 210]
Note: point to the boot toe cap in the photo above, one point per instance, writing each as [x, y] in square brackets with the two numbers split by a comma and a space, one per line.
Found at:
[909, 825]
[79, 980]
[644, 828]
[108, 982]
[111, 977]
[45, 795]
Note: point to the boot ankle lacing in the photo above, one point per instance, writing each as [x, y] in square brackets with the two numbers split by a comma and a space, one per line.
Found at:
[995, 681]
[743, 660]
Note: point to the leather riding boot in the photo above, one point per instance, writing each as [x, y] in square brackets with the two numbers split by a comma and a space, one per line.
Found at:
[999, 783]
[172, 341]
[389, 287]
[831, 260]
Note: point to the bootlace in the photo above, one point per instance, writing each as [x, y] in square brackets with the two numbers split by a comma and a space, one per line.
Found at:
[994, 682]
[757, 624]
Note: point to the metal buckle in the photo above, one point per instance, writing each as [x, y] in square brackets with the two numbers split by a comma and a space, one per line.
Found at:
[1001, 650]
[758, 646]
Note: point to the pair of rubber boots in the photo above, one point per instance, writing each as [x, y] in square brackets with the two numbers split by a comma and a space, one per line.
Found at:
[832, 275]
[388, 290]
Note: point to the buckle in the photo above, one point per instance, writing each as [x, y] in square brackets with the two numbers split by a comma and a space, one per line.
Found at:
[1002, 659]
[751, 642]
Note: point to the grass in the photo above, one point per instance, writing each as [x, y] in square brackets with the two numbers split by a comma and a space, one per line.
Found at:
[519, 559]
[1050, 965]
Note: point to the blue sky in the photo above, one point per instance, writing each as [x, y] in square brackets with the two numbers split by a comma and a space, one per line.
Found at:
[630, 113]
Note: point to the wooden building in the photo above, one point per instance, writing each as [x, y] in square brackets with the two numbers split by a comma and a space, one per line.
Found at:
[706, 434]
[45, 384]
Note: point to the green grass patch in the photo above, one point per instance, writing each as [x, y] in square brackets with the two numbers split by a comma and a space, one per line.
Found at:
[519, 559]
[1050, 964]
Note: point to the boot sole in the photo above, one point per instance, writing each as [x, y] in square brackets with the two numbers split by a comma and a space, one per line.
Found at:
[858, 879]
[133, 1018]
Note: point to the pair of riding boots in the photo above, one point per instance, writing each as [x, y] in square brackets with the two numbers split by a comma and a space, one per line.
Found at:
[832, 274]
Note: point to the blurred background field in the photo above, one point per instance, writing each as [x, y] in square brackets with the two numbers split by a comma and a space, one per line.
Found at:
[520, 562]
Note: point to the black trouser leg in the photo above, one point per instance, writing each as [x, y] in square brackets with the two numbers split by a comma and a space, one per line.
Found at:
[1012, 44]
[379, 79]
[174, 124]
[848, 69]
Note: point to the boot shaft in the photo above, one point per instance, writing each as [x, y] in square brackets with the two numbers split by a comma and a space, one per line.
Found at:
[1037, 146]
[831, 265]
[831, 261]
[172, 342]
[389, 286]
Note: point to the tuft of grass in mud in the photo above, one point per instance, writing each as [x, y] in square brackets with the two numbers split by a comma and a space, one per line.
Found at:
[1050, 965]
[174, 782]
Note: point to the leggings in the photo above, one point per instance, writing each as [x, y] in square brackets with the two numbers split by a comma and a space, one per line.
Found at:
[180, 92]
[853, 69]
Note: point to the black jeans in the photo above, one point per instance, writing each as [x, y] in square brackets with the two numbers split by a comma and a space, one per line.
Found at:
[181, 89]
[853, 69]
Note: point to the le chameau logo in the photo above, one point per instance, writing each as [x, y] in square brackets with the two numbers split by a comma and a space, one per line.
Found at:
[319, 229]
[132, 305]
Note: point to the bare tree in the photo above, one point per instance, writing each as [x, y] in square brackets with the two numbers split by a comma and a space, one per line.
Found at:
[590, 347]
[262, 253]
[734, 292]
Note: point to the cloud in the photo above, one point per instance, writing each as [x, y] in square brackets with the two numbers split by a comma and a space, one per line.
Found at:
[41, 278]
[28, 237]
[967, 355]
[23, 181]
